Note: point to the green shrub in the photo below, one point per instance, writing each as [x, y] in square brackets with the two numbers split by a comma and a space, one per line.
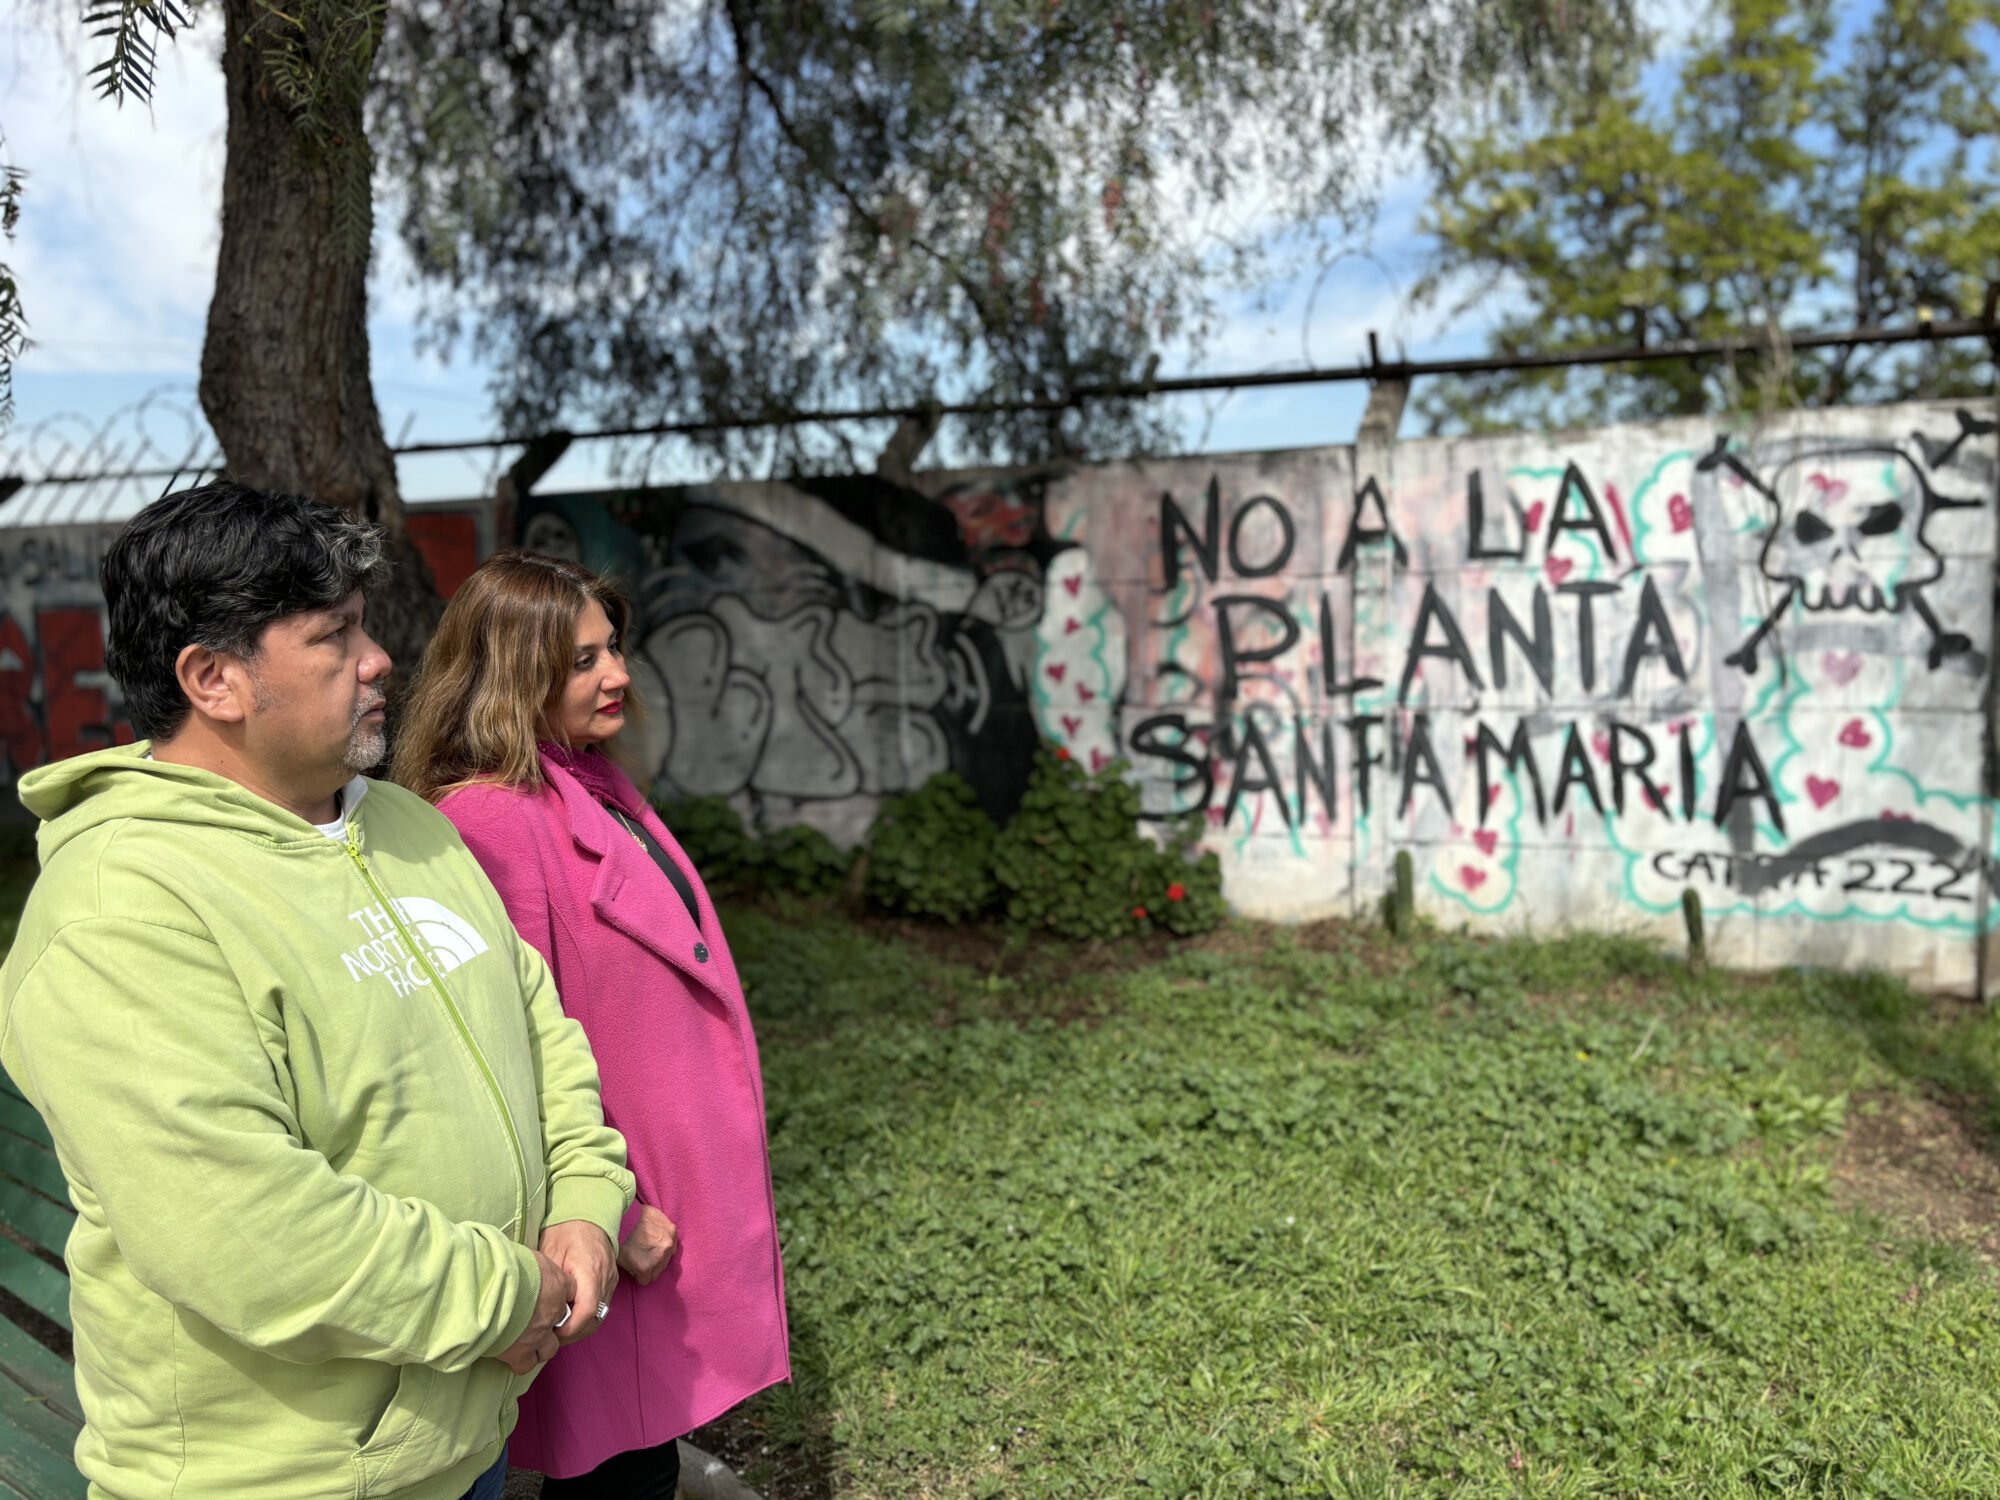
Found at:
[796, 861]
[1073, 859]
[801, 861]
[1185, 891]
[930, 852]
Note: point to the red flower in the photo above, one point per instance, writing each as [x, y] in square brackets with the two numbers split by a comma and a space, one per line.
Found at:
[1176, 892]
[1139, 912]
[1062, 753]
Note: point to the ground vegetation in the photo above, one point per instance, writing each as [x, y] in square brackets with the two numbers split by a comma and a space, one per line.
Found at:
[1312, 1212]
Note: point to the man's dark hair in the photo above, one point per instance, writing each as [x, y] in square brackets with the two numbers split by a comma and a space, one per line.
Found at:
[213, 566]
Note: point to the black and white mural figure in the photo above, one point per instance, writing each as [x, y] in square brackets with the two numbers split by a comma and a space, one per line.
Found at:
[1849, 525]
[813, 647]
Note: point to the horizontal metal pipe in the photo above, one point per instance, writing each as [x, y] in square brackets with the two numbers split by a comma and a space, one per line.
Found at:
[1935, 331]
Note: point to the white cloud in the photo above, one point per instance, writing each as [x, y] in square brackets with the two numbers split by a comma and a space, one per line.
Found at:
[116, 251]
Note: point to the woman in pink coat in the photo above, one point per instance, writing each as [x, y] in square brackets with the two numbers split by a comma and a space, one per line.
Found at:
[522, 693]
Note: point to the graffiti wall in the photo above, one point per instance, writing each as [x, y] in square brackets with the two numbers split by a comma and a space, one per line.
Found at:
[808, 649]
[1575, 675]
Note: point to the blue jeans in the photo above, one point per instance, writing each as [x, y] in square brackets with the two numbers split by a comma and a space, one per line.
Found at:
[489, 1485]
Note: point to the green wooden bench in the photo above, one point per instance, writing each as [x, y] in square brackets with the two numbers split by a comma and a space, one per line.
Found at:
[39, 1413]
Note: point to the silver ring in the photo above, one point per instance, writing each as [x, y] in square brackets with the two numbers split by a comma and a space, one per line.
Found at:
[567, 1310]
[603, 1311]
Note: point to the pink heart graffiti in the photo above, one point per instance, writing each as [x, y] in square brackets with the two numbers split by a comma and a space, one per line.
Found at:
[1600, 744]
[1842, 666]
[1099, 760]
[1074, 583]
[1072, 625]
[1083, 691]
[1056, 670]
[1487, 840]
[1830, 490]
[1071, 726]
[1821, 790]
[1559, 568]
[1534, 517]
[1471, 877]
[1680, 513]
[1852, 734]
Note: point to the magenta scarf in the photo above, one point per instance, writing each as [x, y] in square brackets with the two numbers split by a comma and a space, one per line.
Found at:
[592, 771]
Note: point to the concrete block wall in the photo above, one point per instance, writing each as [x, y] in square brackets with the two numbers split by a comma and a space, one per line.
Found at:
[1574, 674]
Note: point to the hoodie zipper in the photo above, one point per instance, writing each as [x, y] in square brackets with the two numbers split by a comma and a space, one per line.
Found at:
[353, 846]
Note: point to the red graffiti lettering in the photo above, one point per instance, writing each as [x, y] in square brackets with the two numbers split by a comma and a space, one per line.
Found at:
[77, 716]
[20, 735]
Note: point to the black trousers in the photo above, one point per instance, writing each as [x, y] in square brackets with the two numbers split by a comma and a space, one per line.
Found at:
[643, 1474]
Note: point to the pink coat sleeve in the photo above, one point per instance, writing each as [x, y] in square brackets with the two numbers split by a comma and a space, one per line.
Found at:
[499, 826]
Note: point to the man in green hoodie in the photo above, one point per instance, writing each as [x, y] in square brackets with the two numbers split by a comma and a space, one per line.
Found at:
[341, 1176]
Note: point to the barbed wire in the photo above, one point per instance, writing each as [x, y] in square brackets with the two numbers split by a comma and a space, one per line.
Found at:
[119, 459]
[64, 468]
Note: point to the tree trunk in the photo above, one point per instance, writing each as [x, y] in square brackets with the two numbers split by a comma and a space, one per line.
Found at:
[284, 368]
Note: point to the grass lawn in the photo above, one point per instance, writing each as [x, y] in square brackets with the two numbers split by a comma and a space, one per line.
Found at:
[1308, 1212]
[1303, 1212]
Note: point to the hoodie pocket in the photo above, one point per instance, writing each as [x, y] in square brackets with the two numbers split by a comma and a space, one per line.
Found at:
[380, 1451]
[433, 1422]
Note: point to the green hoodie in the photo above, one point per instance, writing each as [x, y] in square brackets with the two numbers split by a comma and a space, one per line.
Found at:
[315, 1099]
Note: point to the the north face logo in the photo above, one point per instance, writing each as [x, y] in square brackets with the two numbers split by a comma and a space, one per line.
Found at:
[448, 940]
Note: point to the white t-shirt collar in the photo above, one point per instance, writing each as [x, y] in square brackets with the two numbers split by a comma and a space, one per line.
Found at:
[344, 802]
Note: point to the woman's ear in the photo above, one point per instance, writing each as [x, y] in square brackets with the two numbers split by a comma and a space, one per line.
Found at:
[218, 686]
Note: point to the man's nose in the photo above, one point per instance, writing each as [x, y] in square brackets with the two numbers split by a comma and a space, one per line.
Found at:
[375, 663]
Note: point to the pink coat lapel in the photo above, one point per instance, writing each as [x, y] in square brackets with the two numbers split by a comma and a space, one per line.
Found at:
[630, 894]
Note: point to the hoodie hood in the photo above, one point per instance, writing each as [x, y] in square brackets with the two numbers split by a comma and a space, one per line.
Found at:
[74, 796]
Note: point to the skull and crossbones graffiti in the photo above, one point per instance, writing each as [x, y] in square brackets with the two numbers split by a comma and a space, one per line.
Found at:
[1848, 530]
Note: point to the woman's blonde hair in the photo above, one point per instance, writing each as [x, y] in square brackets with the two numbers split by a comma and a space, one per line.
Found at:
[499, 661]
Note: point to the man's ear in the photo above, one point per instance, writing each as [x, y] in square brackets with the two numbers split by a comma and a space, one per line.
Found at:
[217, 685]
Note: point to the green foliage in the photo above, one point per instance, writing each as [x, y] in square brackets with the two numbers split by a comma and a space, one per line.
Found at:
[922, 201]
[1446, 1219]
[930, 852]
[796, 861]
[801, 861]
[318, 56]
[1072, 859]
[131, 27]
[1798, 177]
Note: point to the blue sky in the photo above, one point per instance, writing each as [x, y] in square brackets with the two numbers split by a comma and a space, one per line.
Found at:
[117, 246]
